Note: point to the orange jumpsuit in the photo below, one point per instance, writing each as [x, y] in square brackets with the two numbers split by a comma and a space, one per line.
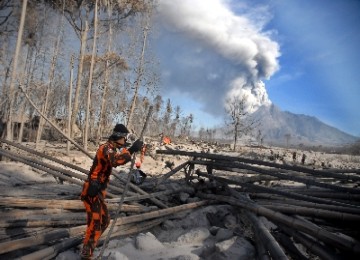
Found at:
[98, 217]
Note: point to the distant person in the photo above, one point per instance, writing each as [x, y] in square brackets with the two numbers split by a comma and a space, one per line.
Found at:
[303, 159]
[110, 154]
[294, 156]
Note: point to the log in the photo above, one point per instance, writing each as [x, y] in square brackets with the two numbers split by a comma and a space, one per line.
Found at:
[170, 173]
[310, 212]
[160, 213]
[270, 243]
[133, 228]
[289, 246]
[134, 187]
[50, 222]
[278, 217]
[311, 244]
[264, 163]
[74, 231]
[41, 238]
[253, 187]
[152, 195]
[55, 171]
[281, 176]
[52, 251]
[17, 233]
[59, 204]
[41, 189]
[54, 125]
[285, 201]
[39, 165]
[140, 191]
[43, 155]
[327, 194]
[262, 253]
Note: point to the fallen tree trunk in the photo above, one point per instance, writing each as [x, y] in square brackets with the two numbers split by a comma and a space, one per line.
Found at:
[45, 222]
[252, 187]
[284, 201]
[281, 176]
[111, 187]
[74, 231]
[321, 234]
[59, 204]
[327, 194]
[310, 212]
[265, 163]
[43, 155]
[311, 244]
[53, 125]
[170, 173]
[270, 243]
[53, 251]
[155, 194]
[140, 191]
[55, 171]
[17, 233]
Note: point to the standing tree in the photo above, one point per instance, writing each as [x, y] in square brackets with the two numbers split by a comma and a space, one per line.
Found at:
[9, 132]
[167, 116]
[238, 119]
[186, 125]
[176, 121]
[87, 115]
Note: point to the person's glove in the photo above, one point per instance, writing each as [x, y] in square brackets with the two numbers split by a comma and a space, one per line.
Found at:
[94, 188]
[136, 146]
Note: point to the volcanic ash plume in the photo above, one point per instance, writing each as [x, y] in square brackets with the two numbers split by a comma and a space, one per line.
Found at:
[255, 94]
[237, 37]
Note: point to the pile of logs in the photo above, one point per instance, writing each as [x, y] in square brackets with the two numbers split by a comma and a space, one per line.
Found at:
[321, 212]
[40, 220]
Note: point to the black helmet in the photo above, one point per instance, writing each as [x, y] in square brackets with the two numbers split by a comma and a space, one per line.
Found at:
[119, 131]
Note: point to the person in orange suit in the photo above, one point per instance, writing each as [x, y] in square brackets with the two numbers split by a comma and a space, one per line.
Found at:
[110, 154]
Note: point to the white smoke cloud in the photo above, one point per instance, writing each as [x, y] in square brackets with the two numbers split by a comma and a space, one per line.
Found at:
[238, 39]
[255, 95]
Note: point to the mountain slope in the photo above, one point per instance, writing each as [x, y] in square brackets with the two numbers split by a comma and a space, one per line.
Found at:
[300, 129]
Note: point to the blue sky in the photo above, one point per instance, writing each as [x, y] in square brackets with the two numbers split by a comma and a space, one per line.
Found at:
[302, 56]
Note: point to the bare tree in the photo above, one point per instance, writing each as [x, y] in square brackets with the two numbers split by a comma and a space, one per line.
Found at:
[9, 132]
[51, 78]
[260, 137]
[84, 31]
[140, 72]
[86, 128]
[186, 125]
[176, 120]
[238, 118]
[106, 76]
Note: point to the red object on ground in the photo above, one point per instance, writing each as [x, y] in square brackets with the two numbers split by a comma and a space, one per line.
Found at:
[166, 140]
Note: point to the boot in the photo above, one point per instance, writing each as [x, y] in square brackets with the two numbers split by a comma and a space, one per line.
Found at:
[86, 252]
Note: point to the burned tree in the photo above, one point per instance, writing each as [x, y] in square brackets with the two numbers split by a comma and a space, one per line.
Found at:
[238, 118]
